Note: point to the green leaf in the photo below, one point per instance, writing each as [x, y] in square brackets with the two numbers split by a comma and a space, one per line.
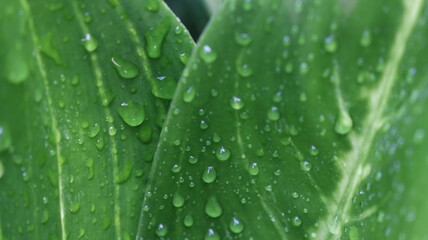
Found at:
[298, 119]
[84, 88]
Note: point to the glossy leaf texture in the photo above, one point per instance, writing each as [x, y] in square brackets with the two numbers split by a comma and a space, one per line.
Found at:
[84, 89]
[297, 120]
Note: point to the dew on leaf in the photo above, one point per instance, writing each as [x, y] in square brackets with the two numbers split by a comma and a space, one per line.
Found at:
[207, 54]
[222, 153]
[188, 220]
[193, 160]
[244, 69]
[124, 68]
[273, 114]
[132, 113]
[366, 38]
[213, 208]
[161, 230]
[211, 235]
[90, 43]
[155, 37]
[124, 173]
[236, 226]
[314, 151]
[236, 103]
[152, 6]
[189, 95]
[242, 39]
[253, 169]
[74, 207]
[203, 124]
[343, 123]
[330, 44]
[297, 221]
[305, 166]
[177, 200]
[209, 174]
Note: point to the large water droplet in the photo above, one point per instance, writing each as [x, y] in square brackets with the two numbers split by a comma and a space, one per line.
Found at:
[343, 123]
[188, 220]
[305, 166]
[243, 39]
[236, 103]
[244, 69]
[189, 95]
[330, 44]
[213, 208]
[236, 226]
[152, 6]
[124, 68]
[366, 38]
[222, 153]
[207, 54]
[209, 174]
[125, 172]
[74, 207]
[132, 113]
[161, 230]
[15, 67]
[177, 200]
[94, 130]
[211, 235]
[155, 37]
[297, 221]
[253, 169]
[90, 43]
[273, 114]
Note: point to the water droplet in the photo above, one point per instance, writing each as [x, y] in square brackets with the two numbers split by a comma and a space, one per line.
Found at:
[297, 221]
[155, 37]
[145, 133]
[216, 138]
[1, 169]
[286, 141]
[207, 54]
[90, 43]
[177, 200]
[188, 220]
[124, 68]
[132, 113]
[253, 169]
[75, 80]
[209, 174]
[222, 153]
[244, 69]
[419, 136]
[189, 95]
[305, 166]
[45, 216]
[314, 150]
[16, 67]
[125, 172]
[74, 207]
[193, 160]
[277, 97]
[203, 124]
[5, 139]
[161, 230]
[94, 130]
[273, 114]
[164, 87]
[236, 103]
[152, 6]
[213, 208]
[295, 195]
[303, 68]
[176, 168]
[236, 226]
[343, 123]
[247, 5]
[330, 44]
[211, 235]
[242, 39]
[366, 38]
[90, 165]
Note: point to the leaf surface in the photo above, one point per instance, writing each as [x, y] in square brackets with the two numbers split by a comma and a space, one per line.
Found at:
[294, 120]
[84, 89]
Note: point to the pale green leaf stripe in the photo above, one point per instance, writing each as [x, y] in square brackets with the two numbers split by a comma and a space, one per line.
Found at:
[54, 125]
[354, 164]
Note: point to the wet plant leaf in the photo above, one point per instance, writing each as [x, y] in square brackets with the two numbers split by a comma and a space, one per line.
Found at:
[84, 88]
[295, 120]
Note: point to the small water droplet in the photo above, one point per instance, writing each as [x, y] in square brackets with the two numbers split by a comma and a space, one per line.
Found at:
[222, 153]
[305, 166]
[188, 220]
[177, 200]
[213, 208]
[1, 169]
[94, 130]
[193, 160]
[145, 133]
[189, 95]
[155, 37]
[343, 123]
[125, 172]
[132, 113]
[273, 114]
[330, 44]
[74, 207]
[152, 6]
[176, 168]
[207, 54]
[366, 38]
[242, 39]
[209, 174]
[161, 230]
[236, 226]
[90, 43]
[124, 68]
[45, 215]
[297, 221]
[253, 169]
[314, 151]
[203, 124]
[236, 103]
